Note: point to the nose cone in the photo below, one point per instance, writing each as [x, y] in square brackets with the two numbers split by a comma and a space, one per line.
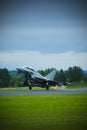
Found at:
[19, 70]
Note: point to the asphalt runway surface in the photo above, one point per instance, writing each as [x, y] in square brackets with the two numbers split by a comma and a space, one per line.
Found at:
[41, 92]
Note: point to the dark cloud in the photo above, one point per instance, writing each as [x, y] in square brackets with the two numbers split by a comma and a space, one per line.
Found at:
[59, 8]
[24, 14]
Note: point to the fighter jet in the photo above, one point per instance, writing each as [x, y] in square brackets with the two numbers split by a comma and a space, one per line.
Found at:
[34, 78]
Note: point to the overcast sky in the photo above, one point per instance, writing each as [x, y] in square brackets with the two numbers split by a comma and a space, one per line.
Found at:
[42, 34]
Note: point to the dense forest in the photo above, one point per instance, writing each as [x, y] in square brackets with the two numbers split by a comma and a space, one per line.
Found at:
[73, 75]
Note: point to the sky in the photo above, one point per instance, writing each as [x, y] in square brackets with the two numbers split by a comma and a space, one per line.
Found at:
[43, 34]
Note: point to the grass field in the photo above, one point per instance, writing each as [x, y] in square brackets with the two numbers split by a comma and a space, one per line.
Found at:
[58, 112]
[72, 86]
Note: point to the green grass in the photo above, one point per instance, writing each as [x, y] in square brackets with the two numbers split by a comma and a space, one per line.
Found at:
[27, 89]
[72, 86]
[77, 85]
[58, 112]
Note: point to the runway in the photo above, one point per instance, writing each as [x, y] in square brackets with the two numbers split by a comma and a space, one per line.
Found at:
[41, 92]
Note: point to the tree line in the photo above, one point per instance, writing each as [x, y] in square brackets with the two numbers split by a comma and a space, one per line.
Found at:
[73, 74]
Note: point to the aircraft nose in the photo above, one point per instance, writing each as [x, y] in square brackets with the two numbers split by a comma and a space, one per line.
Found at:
[18, 70]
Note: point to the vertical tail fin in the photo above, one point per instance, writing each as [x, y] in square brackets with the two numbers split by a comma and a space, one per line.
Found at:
[51, 75]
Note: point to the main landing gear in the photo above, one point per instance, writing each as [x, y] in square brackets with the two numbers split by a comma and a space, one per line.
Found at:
[47, 86]
[30, 85]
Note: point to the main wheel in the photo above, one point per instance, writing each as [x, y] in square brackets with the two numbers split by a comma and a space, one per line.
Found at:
[30, 85]
[47, 86]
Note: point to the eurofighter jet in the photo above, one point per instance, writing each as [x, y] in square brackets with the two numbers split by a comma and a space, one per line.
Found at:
[34, 78]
